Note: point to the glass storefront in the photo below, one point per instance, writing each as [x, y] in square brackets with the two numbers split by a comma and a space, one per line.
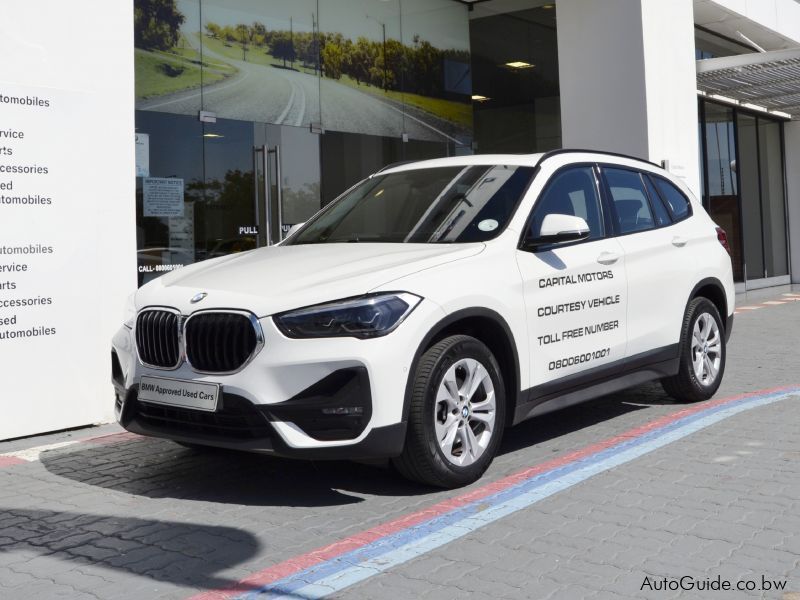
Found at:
[250, 116]
[743, 188]
[515, 78]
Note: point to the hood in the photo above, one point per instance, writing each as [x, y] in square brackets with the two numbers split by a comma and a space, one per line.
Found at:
[278, 278]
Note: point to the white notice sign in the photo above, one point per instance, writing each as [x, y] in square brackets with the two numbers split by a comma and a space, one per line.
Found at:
[163, 196]
[143, 155]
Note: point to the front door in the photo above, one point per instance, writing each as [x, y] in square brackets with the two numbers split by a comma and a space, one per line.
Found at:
[575, 293]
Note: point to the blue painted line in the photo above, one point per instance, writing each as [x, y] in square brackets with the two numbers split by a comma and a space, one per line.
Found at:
[352, 567]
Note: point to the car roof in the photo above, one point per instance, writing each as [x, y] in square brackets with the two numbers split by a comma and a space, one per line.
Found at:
[564, 155]
[531, 160]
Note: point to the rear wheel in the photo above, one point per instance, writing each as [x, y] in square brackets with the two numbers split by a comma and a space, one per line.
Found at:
[456, 416]
[703, 354]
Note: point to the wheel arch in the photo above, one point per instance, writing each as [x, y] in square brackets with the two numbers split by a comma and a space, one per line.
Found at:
[490, 328]
[712, 288]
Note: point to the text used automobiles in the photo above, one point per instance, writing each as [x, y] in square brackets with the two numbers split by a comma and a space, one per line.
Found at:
[431, 306]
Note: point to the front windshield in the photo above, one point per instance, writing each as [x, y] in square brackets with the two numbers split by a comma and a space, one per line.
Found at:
[438, 205]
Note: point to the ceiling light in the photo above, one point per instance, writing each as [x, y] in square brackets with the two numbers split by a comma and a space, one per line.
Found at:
[780, 113]
[519, 64]
[212, 135]
[548, 6]
[479, 98]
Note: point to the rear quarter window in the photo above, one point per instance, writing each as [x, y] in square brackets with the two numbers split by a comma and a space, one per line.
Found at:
[678, 204]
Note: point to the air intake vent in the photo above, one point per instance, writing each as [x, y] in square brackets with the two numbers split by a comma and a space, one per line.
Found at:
[157, 338]
[220, 342]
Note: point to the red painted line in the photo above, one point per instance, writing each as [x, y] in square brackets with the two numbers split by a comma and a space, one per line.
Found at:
[10, 461]
[111, 438]
[324, 553]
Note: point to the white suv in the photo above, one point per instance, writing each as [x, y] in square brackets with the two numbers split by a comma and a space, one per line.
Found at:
[431, 306]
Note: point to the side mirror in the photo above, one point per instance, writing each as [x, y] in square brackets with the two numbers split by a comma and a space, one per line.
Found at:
[558, 229]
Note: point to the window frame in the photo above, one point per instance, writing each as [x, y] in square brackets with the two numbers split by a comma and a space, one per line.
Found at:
[609, 199]
[654, 177]
[658, 199]
[604, 217]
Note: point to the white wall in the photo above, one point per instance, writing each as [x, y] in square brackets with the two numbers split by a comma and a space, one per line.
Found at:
[627, 79]
[77, 55]
[780, 16]
[792, 140]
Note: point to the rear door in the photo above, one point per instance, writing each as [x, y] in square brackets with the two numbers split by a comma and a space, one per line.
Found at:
[658, 263]
[575, 293]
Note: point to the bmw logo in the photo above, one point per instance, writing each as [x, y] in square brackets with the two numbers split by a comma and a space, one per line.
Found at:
[197, 297]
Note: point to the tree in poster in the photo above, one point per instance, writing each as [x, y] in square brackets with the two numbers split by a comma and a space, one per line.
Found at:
[282, 47]
[243, 37]
[157, 24]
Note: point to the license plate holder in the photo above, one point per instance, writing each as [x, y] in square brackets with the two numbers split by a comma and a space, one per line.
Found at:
[197, 395]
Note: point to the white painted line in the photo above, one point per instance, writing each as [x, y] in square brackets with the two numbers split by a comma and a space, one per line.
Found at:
[286, 110]
[420, 121]
[791, 295]
[302, 112]
[205, 91]
[773, 302]
[749, 307]
[34, 454]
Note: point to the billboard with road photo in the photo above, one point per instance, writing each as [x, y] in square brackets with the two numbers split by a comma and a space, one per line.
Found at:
[360, 66]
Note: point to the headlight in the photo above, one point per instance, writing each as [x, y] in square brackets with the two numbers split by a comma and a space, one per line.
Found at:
[365, 317]
[129, 316]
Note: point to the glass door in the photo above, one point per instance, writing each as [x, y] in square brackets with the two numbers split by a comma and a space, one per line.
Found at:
[287, 161]
[205, 190]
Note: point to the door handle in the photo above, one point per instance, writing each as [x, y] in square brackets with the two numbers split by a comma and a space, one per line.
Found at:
[608, 258]
[679, 241]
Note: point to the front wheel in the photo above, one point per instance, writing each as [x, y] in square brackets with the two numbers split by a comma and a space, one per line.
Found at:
[457, 414]
[702, 354]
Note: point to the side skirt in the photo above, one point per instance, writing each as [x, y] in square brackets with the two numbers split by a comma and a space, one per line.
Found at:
[599, 381]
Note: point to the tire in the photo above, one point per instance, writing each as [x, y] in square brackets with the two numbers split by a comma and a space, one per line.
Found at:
[439, 407]
[691, 383]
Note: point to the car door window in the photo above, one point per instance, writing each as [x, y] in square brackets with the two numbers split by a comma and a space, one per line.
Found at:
[656, 203]
[630, 200]
[678, 204]
[572, 192]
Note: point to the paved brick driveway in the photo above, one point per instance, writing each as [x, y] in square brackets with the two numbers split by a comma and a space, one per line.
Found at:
[127, 517]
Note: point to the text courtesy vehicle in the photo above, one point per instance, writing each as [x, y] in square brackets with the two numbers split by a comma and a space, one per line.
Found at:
[430, 307]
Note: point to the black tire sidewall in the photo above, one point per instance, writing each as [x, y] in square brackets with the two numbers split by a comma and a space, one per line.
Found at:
[465, 347]
[697, 308]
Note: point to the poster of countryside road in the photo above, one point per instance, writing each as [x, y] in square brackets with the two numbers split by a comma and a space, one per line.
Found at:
[392, 69]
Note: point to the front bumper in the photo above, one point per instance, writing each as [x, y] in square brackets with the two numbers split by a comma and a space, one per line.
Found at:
[275, 404]
[240, 425]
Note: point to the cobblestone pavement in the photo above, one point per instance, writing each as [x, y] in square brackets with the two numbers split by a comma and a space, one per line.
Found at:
[128, 517]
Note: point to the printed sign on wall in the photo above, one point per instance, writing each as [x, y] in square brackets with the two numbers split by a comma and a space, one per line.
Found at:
[163, 196]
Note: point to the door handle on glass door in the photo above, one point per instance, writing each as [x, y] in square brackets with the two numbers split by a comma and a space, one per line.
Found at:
[608, 258]
[679, 241]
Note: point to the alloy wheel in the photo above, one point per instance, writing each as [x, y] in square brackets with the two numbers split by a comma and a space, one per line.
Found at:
[706, 349]
[465, 411]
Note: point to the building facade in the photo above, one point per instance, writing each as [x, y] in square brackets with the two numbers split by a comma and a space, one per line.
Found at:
[249, 116]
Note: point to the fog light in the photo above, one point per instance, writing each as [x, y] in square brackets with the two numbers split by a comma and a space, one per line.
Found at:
[344, 410]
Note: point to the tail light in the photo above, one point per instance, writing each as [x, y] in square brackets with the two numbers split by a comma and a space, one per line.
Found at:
[722, 237]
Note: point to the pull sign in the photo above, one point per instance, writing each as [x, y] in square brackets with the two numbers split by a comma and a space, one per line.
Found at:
[206, 116]
[248, 230]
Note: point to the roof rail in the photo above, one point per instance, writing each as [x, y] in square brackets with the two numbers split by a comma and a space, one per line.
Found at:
[558, 151]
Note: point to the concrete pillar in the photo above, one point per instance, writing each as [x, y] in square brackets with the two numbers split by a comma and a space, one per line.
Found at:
[792, 140]
[628, 81]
